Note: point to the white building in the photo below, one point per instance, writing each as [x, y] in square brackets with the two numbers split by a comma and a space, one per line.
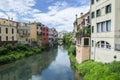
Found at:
[53, 36]
[105, 27]
[62, 34]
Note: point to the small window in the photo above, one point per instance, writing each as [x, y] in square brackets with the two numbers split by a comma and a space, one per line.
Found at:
[92, 43]
[98, 44]
[102, 44]
[12, 38]
[103, 27]
[0, 29]
[0, 38]
[108, 46]
[86, 42]
[98, 27]
[108, 26]
[12, 31]
[93, 15]
[92, 1]
[92, 29]
[97, 0]
[6, 38]
[108, 8]
[6, 30]
[98, 13]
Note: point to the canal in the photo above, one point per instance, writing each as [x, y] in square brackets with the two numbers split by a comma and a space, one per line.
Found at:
[53, 64]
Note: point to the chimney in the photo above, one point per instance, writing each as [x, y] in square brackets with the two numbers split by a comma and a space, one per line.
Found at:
[76, 16]
[81, 14]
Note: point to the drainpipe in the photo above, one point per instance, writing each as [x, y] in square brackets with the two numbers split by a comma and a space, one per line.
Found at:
[95, 50]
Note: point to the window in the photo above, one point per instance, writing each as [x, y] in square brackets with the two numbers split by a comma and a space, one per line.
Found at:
[102, 11]
[108, 25]
[83, 22]
[92, 43]
[12, 38]
[93, 15]
[12, 31]
[102, 44]
[97, 0]
[92, 29]
[108, 46]
[0, 29]
[88, 19]
[103, 27]
[86, 42]
[98, 13]
[117, 47]
[6, 38]
[0, 38]
[108, 8]
[98, 44]
[98, 27]
[6, 30]
[92, 1]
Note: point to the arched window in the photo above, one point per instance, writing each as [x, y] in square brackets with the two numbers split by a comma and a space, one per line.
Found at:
[103, 44]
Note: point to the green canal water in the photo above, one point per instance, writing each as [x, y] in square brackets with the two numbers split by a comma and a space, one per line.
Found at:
[53, 64]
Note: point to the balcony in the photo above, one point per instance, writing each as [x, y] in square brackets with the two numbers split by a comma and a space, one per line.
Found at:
[85, 32]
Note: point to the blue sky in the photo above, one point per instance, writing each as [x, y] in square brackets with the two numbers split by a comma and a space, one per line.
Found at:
[53, 13]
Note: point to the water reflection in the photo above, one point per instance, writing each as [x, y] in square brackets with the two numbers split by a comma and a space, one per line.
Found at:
[59, 69]
[24, 69]
[50, 65]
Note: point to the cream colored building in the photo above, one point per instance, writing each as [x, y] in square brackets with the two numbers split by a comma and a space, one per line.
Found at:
[23, 30]
[8, 31]
[105, 25]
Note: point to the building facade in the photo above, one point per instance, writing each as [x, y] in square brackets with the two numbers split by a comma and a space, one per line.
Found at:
[33, 34]
[105, 27]
[44, 35]
[23, 32]
[83, 38]
[8, 31]
[53, 36]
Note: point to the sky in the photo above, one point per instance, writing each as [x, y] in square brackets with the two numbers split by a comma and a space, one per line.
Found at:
[59, 14]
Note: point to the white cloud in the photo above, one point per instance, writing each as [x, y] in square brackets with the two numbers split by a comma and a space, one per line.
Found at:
[61, 15]
[61, 19]
[16, 7]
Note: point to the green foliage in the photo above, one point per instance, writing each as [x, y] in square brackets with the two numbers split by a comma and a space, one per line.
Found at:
[67, 39]
[84, 31]
[99, 71]
[3, 51]
[72, 49]
[11, 53]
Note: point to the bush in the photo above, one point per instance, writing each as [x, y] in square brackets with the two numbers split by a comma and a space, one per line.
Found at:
[98, 71]
[3, 51]
[72, 49]
[10, 53]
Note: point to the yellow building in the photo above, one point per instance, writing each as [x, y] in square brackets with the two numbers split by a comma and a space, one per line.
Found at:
[8, 31]
[35, 33]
